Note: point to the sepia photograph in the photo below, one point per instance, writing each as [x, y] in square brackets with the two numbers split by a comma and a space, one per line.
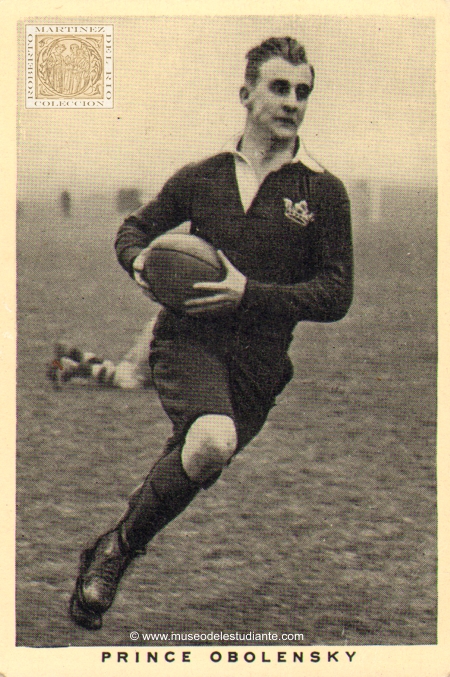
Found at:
[226, 336]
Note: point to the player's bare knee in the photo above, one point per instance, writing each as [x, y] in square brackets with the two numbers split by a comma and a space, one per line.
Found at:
[212, 437]
[210, 443]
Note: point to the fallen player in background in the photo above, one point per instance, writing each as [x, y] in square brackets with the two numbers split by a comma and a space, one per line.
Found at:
[132, 372]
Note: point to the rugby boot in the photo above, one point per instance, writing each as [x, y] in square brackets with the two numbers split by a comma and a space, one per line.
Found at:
[101, 569]
[81, 615]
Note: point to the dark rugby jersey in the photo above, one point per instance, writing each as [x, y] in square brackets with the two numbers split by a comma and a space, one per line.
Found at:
[293, 244]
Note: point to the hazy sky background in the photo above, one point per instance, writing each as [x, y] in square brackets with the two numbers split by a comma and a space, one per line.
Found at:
[371, 115]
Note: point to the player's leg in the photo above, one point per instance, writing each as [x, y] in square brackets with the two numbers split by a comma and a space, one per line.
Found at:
[165, 493]
[217, 407]
[169, 488]
[191, 384]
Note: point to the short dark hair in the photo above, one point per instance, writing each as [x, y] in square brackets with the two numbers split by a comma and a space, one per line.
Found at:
[286, 48]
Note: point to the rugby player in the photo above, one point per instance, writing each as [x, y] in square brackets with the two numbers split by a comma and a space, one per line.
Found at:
[282, 225]
[73, 364]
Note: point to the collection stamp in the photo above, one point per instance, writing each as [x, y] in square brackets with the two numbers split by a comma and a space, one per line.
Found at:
[69, 66]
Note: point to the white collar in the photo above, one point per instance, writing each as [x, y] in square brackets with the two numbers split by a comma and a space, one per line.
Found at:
[301, 155]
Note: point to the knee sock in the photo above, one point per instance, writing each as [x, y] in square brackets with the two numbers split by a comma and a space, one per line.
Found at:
[165, 493]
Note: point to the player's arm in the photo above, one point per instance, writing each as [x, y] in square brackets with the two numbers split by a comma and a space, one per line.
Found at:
[169, 209]
[328, 295]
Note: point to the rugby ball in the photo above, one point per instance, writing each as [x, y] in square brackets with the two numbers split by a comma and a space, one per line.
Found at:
[174, 263]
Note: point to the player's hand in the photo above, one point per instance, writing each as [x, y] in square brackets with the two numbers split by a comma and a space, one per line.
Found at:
[225, 295]
[138, 267]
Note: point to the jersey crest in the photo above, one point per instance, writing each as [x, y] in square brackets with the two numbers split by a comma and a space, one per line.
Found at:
[298, 213]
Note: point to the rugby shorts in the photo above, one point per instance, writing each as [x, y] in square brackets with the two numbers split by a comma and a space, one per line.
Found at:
[195, 376]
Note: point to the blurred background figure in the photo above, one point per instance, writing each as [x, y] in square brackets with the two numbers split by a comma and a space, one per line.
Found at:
[65, 202]
[128, 199]
[131, 372]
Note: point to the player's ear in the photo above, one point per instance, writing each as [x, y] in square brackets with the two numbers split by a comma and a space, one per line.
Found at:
[244, 95]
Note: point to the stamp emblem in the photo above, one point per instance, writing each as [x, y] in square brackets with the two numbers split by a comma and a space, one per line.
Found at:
[69, 66]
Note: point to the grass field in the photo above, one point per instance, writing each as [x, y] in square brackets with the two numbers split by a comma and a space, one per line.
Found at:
[325, 525]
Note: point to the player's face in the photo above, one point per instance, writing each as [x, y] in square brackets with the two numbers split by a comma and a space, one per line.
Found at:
[276, 104]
